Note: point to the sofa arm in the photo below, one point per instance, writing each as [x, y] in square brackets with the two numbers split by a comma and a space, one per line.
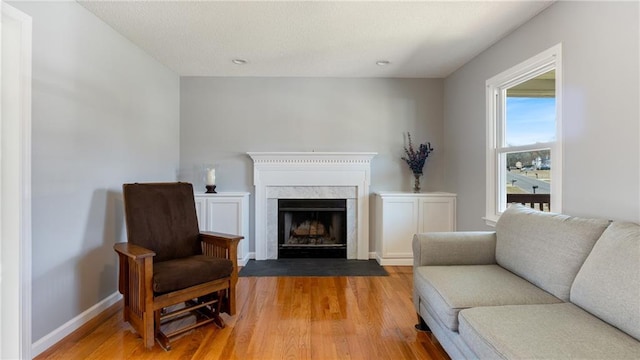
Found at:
[454, 248]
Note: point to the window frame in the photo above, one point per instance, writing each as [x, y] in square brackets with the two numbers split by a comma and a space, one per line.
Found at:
[496, 88]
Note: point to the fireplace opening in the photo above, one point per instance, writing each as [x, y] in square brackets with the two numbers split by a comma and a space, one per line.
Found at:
[312, 228]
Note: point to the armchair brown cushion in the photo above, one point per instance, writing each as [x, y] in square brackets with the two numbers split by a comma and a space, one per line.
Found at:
[162, 217]
[177, 274]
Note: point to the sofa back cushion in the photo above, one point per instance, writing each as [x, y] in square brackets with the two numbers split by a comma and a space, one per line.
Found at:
[608, 284]
[547, 249]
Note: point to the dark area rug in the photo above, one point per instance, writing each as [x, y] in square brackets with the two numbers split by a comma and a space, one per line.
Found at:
[312, 267]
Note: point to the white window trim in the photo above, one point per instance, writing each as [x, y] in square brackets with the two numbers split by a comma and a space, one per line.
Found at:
[541, 63]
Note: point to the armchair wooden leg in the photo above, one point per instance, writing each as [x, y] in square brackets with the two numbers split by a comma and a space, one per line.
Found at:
[216, 311]
[231, 300]
[217, 302]
[163, 340]
[148, 333]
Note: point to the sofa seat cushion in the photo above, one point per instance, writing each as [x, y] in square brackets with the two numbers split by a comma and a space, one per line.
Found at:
[172, 275]
[449, 289]
[552, 331]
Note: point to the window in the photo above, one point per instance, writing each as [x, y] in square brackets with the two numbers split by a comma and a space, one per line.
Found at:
[524, 159]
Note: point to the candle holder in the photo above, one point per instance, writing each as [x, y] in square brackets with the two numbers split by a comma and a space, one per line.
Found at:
[211, 189]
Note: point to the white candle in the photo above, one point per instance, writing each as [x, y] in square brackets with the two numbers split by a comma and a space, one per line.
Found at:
[211, 177]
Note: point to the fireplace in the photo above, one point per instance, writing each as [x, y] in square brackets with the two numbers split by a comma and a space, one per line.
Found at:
[312, 228]
[311, 175]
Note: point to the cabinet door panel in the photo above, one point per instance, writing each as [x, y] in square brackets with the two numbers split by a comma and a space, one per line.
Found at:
[400, 224]
[437, 215]
[224, 217]
[226, 213]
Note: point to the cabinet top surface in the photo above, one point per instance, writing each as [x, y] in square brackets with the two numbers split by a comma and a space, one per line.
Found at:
[222, 194]
[412, 194]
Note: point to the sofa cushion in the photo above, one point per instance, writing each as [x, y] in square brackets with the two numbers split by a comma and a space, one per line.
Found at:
[454, 248]
[545, 248]
[555, 331]
[449, 289]
[608, 284]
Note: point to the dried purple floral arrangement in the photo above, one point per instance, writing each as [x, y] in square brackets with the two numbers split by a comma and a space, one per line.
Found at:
[416, 159]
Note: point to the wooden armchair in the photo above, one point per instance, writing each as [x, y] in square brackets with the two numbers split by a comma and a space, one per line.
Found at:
[168, 268]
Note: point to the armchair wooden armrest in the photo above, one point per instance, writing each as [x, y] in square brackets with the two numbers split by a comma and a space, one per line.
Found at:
[135, 259]
[220, 239]
[141, 258]
[132, 251]
[224, 246]
[221, 245]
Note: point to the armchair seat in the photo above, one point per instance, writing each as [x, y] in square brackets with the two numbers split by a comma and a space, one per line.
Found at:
[178, 274]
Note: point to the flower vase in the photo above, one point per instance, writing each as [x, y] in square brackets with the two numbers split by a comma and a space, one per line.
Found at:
[416, 183]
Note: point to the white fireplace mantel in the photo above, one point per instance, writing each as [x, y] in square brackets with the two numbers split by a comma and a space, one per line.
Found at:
[317, 170]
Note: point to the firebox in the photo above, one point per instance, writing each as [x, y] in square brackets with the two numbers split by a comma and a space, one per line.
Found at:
[312, 228]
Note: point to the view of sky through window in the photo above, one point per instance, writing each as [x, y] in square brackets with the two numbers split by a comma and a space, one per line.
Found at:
[530, 120]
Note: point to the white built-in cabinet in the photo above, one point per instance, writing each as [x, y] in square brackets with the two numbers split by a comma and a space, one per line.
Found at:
[400, 215]
[226, 213]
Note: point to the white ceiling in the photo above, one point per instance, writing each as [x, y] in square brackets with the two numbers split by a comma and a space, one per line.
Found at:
[421, 39]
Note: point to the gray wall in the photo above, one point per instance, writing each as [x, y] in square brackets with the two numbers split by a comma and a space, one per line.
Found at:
[104, 113]
[601, 134]
[223, 118]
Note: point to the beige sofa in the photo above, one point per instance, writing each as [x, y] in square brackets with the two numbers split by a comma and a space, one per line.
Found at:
[542, 286]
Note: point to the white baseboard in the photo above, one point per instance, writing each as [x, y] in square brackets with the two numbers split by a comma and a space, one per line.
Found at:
[72, 325]
[243, 261]
[394, 261]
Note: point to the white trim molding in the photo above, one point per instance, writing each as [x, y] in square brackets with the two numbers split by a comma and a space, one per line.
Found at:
[15, 184]
[315, 170]
[550, 59]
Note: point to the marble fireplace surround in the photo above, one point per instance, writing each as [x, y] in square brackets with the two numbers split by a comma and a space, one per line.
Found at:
[311, 175]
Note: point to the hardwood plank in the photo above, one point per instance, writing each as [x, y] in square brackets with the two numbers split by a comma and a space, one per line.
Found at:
[283, 318]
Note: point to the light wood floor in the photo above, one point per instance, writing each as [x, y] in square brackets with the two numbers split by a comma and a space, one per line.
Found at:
[285, 318]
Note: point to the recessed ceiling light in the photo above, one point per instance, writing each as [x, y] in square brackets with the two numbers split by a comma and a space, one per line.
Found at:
[239, 61]
[383, 62]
